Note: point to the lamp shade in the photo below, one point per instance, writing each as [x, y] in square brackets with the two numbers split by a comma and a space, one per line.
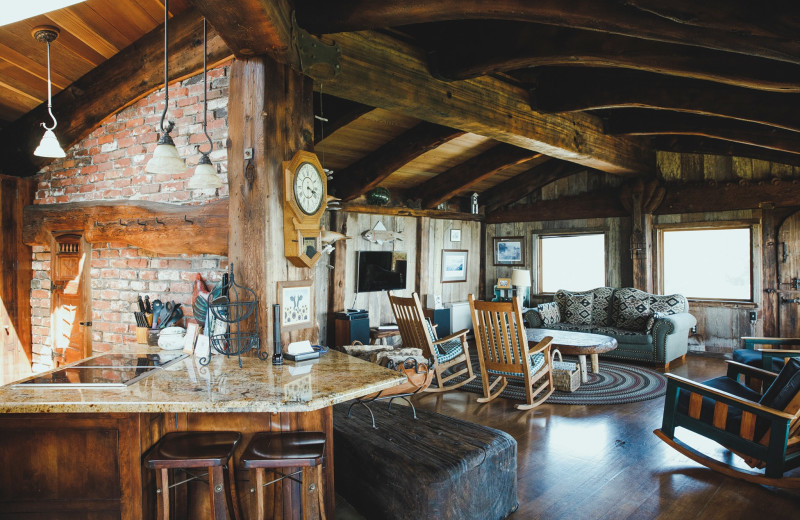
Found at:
[205, 176]
[165, 158]
[49, 146]
[521, 277]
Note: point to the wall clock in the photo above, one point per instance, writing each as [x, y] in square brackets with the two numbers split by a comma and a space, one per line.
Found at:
[305, 196]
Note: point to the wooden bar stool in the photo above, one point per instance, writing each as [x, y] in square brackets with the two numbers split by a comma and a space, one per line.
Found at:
[197, 450]
[276, 450]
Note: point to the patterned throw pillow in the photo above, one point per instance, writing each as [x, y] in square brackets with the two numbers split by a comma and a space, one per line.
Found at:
[549, 313]
[651, 321]
[631, 309]
[669, 304]
[579, 309]
[601, 308]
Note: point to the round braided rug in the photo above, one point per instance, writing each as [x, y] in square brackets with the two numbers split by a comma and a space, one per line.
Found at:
[615, 384]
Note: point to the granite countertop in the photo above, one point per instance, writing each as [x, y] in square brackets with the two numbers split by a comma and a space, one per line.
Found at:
[187, 386]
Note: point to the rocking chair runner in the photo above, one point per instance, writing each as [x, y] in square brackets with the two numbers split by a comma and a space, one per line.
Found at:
[503, 351]
[762, 429]
[446, 353]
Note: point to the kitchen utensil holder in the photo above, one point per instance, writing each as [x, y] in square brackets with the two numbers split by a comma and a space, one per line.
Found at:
[235, 305]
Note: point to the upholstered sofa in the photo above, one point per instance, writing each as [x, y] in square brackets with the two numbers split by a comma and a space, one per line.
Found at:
[648, 327]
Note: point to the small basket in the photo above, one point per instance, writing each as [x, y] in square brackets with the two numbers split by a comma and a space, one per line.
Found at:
[566, 375]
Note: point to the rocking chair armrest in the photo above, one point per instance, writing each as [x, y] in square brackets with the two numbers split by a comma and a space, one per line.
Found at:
[729, 399]
[734, 367]
[788, 353]
[453, 336]
[547, 345]
[751, 341]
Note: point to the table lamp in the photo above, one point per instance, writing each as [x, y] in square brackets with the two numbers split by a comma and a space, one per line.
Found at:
[521, 279]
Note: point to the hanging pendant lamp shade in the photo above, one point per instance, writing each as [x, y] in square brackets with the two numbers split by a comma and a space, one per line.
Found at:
[165, 157]
[49, 146]
[205, 175]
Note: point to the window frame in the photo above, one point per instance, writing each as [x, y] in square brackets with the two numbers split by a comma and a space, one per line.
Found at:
[755, 240]
[536, 238]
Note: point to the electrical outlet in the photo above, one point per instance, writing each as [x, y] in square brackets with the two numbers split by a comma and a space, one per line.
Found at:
[753, 316]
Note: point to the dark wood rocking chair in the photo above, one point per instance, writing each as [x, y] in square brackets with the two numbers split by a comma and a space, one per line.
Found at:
[503, 352]
[446, 353]
[741, 420]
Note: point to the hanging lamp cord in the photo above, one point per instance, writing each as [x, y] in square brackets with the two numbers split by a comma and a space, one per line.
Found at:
[205, 93]
[170, 124]
[49, 94]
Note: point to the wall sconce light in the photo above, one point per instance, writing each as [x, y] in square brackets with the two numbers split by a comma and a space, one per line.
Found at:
[49, 146]
[165, 157]
[205, 175]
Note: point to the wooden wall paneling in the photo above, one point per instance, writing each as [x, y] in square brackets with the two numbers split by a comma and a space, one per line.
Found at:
[274, 98]
[15, 284]
[692, 167]
[717, 168]
[769, 296]
[669, 166]
[423, 278]
[338, 259]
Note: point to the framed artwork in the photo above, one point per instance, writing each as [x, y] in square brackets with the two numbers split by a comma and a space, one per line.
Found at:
[297, 305]
[503, 283]
[509, 251]
[454, 265]
[455, 235]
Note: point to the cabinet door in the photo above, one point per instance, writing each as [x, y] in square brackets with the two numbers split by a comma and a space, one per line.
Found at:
[71, 309]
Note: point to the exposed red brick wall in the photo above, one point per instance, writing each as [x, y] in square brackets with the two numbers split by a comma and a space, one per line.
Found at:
[109, 165]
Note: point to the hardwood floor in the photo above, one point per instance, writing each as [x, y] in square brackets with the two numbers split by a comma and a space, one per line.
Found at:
[603, 462]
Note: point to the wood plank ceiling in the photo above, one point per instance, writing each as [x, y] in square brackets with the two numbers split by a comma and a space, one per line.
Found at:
[630, 76]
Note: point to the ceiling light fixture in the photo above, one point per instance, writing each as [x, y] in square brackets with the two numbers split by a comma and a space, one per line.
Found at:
[205, 175]
[49, 146]
[165, 157]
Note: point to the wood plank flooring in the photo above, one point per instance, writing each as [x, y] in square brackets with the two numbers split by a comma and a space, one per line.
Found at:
[603, 462]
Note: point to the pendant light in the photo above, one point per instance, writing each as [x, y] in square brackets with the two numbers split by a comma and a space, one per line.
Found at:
[205, 175]
[49, 146]
[165, 157]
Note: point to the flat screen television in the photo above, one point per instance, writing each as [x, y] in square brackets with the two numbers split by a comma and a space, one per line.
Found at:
[381, 271]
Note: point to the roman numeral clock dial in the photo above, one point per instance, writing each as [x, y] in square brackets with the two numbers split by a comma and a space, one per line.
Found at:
[305, 198]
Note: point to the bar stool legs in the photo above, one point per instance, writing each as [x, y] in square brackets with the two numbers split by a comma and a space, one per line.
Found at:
[273, 451]
[209, 451]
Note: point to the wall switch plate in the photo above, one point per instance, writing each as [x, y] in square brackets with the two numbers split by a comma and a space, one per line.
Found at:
[753, 316]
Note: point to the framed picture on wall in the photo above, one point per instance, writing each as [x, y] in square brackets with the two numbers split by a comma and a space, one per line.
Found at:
[454, 265]
[455, 235]
[297, 305]
[509, 250]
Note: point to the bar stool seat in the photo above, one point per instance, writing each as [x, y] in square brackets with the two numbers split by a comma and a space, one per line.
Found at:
[196, 450]
[277, 450]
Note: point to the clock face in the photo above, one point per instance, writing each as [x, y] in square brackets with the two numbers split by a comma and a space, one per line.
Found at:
[308, 188]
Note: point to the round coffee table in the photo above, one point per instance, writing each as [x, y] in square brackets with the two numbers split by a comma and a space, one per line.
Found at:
[579, 344]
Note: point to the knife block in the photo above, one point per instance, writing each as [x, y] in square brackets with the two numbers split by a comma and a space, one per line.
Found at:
[141, 335]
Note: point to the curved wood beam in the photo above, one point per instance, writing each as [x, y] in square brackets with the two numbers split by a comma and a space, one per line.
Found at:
[368, 172]
[706, 145]
[463, 50]
[385, 72]
[661, 122]
[448, 184]
[133, 73]
[323, 16]
[561, 89]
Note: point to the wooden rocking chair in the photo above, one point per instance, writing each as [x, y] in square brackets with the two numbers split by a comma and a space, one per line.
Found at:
[737, 417]
[417, 332]
[503, 351]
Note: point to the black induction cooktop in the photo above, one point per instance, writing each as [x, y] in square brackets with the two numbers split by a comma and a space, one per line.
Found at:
[105, 371]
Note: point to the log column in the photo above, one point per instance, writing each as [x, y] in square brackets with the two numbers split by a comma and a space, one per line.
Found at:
[271, 111]
[641, 199]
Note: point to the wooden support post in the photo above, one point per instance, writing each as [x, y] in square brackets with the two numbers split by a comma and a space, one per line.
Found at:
[338, 260]
[769, 245]
[272, 115]
[641, 198]
[422, 283]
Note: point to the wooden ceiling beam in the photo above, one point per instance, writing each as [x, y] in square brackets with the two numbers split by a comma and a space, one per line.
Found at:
[468, 49]
[599, 204]
[706, 197]
[528, 182]
[448, 184]
[706, 145]
[368, 172]
[631, 121]
[563, 89]
[120, 81]
[253, 27]
[384, 72]
[336, 112]
[759, 33]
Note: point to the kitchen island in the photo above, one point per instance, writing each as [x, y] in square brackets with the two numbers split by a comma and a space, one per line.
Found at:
[76, 453]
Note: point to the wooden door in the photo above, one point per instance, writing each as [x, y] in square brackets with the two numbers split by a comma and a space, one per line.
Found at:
[789, 277]
[70, 310]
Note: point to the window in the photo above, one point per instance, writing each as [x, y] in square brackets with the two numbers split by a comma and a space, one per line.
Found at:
[573, 262]
[707, 263]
